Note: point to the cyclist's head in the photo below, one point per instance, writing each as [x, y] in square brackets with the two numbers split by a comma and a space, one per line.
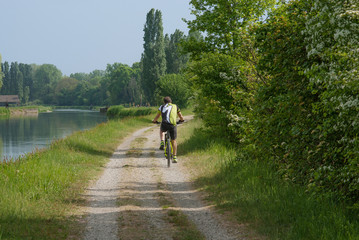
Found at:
[167, 100]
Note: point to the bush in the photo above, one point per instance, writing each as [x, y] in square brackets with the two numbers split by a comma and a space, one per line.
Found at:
[121, 112]
[175, 86]
[4, 111]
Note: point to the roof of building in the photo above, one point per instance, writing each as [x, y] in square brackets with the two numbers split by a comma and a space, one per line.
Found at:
[9, 99]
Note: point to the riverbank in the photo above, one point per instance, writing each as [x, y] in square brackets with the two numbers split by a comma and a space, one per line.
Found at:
[24, 110]
[41, 191]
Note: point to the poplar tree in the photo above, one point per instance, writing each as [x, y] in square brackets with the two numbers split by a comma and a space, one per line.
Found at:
[1, 74]
[16, 80]
[153, 57]
[175, 59]
[5, 70]
[26, 71]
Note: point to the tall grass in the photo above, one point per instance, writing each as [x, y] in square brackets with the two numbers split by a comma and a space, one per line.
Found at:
[38, 191]
[252, 192]
[4, 111]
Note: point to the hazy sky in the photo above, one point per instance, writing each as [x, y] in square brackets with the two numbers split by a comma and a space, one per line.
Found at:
[81, 35]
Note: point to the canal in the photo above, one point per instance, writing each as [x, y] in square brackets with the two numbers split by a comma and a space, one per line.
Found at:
[22, 134]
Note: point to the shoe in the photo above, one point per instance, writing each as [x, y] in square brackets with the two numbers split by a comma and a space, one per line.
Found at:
[174, 160]
[162, 146]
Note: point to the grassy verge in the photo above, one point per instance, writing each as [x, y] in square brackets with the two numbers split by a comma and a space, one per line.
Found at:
[38, 191]
[252, 192]
[4, 111]
[121, 112]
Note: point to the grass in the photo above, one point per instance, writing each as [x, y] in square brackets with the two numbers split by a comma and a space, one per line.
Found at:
[38, 191]
[184, 229]
[4, 111]
[251, 192]
[122, 112]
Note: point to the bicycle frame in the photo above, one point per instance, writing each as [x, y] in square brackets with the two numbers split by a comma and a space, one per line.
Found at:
[168, 145]
[168, 148]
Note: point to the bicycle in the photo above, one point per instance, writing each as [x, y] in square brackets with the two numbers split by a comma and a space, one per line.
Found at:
[168, 145]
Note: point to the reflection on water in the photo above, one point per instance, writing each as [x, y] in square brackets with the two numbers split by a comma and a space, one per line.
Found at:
[20, 135]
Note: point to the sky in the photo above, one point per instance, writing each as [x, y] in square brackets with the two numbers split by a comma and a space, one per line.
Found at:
[82, 35]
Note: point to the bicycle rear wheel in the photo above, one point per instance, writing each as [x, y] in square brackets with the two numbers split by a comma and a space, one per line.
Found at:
[168, 152]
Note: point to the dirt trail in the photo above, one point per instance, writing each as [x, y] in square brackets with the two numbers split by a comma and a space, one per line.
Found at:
[138, 195]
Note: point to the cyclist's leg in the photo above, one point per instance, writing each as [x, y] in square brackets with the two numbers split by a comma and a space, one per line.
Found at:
[162, 136]
[173, 133]
[174, 146]
[163, 130]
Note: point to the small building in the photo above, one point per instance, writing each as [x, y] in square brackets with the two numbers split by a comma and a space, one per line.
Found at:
[5, 100]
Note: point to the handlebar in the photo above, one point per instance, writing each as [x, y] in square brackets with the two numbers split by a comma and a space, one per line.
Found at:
[178, 122]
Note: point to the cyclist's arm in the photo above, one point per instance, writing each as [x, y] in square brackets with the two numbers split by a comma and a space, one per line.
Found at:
[157, 117]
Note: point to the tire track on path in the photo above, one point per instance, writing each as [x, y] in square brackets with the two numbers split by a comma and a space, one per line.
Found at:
[126, 202]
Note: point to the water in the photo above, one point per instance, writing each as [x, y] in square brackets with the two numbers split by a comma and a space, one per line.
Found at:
[20, 135]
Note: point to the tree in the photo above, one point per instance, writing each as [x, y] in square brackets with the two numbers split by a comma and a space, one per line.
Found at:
[27, 74]
[135, 90]
[1, 73]
[175, 58]
[153, 57]
[65, 91]
[223, 70]
[16, 80]
[332, 40]
[173, 85]
[45, 79]
[6, 78]
[119, 76]
[225, 22]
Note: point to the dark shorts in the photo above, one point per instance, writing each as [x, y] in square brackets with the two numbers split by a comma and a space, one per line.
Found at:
[169, 127]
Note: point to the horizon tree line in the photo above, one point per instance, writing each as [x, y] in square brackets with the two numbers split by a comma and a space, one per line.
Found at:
[117, 84]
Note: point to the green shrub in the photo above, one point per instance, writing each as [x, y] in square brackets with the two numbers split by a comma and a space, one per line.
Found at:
[121, 112]
[4, 111]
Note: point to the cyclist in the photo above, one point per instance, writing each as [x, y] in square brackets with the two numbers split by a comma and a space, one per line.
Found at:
[169, 113]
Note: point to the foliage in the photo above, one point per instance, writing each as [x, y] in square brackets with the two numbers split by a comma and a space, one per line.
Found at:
[4, 111]
[175, 86]
[123, 83]
[1, 74]
[283, 108]
[5, 77]
[45, 78]
[253, 192]
[223, 21]
[121, 112]
[65, 91]
[285, 86]
[17, 80]
[175, 59]
[153, 57]
[334, 78]
[92, 89]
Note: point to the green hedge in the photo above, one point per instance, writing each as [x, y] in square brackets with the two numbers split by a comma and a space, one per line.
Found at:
[4, 111]
[121, 111]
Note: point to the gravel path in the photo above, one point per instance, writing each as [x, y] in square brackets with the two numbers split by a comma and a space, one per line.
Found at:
[132, 198]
